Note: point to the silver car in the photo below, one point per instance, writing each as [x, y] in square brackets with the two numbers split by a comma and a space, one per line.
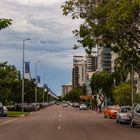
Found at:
[136, 116]
[5, 111]
[122, 116]
[83, 107]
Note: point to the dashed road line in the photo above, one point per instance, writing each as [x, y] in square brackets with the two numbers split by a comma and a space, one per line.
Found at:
[59, 128]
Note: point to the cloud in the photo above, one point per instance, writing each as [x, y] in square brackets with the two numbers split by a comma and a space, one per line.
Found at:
[34, 2]
[50, 32]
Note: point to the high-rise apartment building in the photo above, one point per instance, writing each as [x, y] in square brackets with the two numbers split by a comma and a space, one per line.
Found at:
[79, 71]
[66, 89]
[104, 58]
[91, 63]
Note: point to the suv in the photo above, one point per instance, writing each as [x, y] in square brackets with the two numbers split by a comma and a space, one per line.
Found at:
[135, 116]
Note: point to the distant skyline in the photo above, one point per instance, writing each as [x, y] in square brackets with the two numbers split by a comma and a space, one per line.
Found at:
[51, 41]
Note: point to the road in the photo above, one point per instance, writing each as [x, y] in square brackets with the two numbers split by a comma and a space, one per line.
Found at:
[59, 123]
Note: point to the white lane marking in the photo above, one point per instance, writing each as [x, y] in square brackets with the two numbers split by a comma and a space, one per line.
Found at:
[60, 115]
[60, 120]
[59, 128]
[6, 122]
[60, 112]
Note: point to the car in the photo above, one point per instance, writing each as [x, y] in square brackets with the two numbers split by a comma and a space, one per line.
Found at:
[135, 120]
[83, 107]
[65, 105]
[3, 110]
[110, 111]
[122, 116]
[76, 105]
[129, 113]
[35, 106]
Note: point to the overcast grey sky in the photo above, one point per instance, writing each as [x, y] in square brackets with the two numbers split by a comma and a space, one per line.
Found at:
[51, 39]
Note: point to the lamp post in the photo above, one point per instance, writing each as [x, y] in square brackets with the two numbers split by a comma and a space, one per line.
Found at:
[44, 91]
[44, 87]
[48, 94]
[23, 73]
[36, 80]
[132, 84]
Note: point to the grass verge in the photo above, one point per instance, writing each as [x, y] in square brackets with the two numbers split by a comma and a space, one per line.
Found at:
[17, 114]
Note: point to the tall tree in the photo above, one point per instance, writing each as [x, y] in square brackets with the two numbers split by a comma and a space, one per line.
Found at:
[122, 94]
[107, 23]
[101, 85]
[74, 95]
[8, 75]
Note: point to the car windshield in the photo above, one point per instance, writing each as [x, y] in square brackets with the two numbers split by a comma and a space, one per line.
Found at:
[113, 107]
[82, 104]
[125, 110]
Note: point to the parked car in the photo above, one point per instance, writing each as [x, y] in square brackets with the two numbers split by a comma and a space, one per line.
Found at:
[129, 113]
[35, 106]
[65, 105]
[122, 116]
[83, 107]
[110, 111]
[135, 120]
[76, 105]
[3, 110]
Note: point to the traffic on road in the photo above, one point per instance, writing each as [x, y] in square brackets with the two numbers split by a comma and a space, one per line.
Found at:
[70, 122]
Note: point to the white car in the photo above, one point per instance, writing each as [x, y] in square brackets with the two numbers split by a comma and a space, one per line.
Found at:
[122, 116]
[135, 116]
[65, 105]
[83, 107]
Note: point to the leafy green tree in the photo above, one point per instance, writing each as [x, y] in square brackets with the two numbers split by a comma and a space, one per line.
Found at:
[74, 95]
[8, 76]
[122, 94]
[101, 85]
[122, 68]
[29, 91]
[5, 23]
[107, 23]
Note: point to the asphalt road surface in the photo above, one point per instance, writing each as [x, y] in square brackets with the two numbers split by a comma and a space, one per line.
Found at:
[65, 123]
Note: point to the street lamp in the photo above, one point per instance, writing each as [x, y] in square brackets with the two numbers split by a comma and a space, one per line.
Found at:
[36, 80]
[23, 73]
[44, 91]
[44, 86]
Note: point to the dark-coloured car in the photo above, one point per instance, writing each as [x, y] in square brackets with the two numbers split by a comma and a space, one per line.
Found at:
[135, 120]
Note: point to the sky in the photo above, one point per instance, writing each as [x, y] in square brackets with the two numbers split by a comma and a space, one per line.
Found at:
[51, 41]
